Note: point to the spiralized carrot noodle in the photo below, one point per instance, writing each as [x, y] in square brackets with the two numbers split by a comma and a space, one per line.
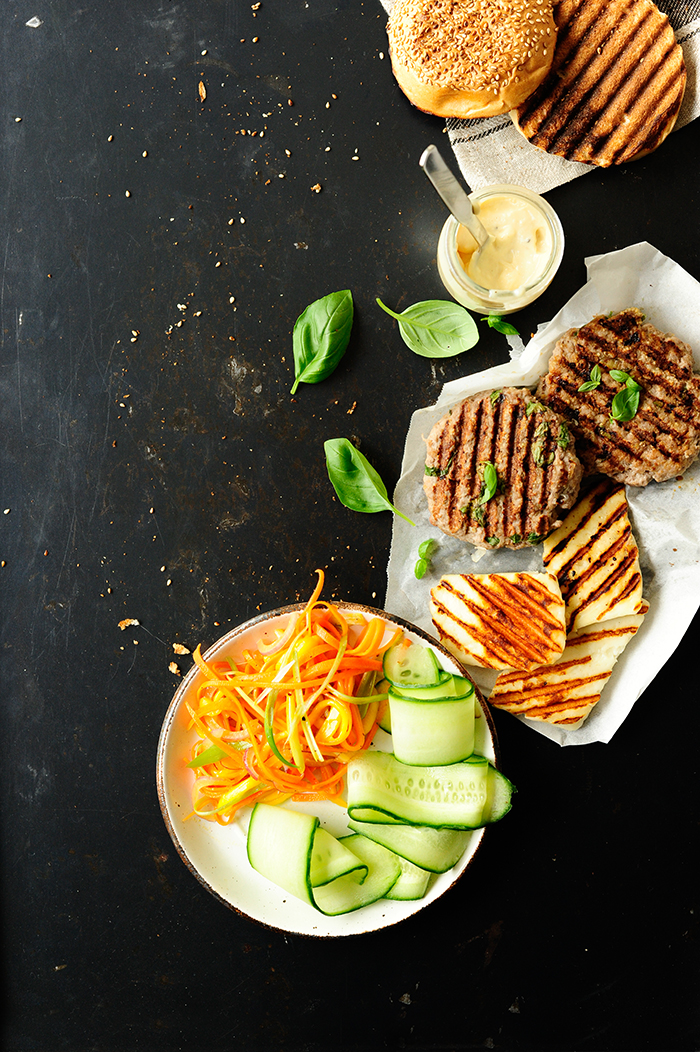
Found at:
[284, 720]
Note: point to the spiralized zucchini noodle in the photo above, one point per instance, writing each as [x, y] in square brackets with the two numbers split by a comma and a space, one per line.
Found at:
[283, 721]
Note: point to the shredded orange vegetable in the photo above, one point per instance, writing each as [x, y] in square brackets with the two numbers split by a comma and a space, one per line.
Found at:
[284, 720]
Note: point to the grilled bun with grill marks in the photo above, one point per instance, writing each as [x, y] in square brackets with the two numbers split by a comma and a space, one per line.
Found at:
[470, 58]
[615, 87]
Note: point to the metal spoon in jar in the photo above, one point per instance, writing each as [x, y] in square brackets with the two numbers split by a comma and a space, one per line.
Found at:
[452, 193]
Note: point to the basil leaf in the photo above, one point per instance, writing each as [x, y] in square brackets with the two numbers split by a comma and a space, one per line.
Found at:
[495, 321]
[534, 407]
[563, 437]
[626, 402]
[421, 568]
[426, 548]
[490, 483]
[425, 554]
[622, 378]
[356, 483]
[436, 328]
[440, 473]
[596, 377]
[320, 337]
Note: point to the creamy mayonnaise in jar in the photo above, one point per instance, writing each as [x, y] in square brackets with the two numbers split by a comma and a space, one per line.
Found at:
[517, 263]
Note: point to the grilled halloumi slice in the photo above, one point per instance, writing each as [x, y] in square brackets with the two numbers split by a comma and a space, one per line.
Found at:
[500, 620]
[565, 693]
[595, 558]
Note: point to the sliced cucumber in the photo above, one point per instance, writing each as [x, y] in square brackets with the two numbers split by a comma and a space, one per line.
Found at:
[282, 846]
[331, 859]
[412, 882]
[499, 797]
[384, 720]
[381, 788]
[345, 894]
[412, 665]
[448, 686]
[432, 733]
[436, 850]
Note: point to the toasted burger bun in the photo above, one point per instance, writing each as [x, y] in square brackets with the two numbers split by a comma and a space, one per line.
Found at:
[615, 87]
[470, 58]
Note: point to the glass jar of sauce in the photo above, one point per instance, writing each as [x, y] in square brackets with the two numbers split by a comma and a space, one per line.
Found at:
[517, 263]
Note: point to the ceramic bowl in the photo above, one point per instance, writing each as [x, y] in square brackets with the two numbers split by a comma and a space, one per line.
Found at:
[216, 854]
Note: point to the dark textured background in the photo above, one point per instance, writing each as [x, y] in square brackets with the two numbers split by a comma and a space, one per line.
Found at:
[174, 480]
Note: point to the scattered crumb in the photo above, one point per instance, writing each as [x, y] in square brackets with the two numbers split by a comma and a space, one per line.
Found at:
[174, 668]
[127, 622]
[316, 188]
[180, 649]
[202, 91]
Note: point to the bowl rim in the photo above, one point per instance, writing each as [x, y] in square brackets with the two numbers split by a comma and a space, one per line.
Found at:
[223, 642]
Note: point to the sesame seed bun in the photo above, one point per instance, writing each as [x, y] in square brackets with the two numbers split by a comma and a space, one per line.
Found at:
[470, 58]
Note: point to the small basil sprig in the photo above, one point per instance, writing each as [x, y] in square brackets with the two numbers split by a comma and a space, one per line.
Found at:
[626, 402]
[356, 483]
[425, 554]
[320, 337]
[489, 483]
[534, 407]
[596, 377]
[435, 328]
[496, 321]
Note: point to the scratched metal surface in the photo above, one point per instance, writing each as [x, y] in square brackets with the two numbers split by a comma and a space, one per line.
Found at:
[154, 466]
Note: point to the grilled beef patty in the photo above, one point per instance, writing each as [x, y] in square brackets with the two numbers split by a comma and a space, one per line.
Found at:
[662, 438]
[500, 469]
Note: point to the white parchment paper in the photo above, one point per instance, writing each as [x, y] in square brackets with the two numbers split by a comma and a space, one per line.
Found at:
[665, 516]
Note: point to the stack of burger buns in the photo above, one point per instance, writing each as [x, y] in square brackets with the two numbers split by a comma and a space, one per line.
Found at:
[598, 81]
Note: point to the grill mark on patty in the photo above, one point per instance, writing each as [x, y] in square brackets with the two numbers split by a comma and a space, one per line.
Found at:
[669, 402]
[495, 428]
[669, 426]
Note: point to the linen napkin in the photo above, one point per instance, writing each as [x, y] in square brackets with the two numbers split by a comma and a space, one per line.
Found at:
[491, 150]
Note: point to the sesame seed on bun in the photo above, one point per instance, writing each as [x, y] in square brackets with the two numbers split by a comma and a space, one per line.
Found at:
[470, 58]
